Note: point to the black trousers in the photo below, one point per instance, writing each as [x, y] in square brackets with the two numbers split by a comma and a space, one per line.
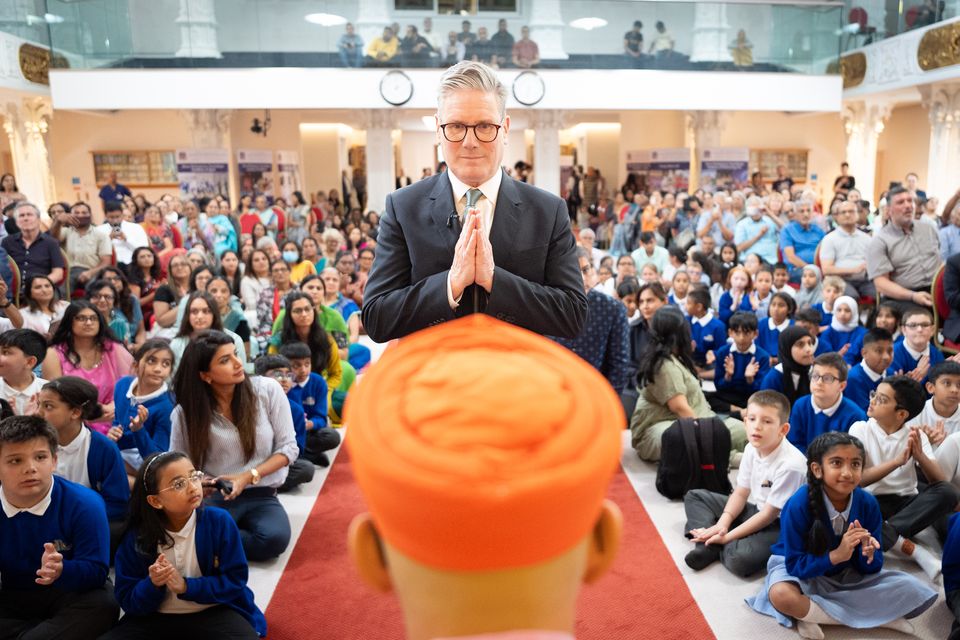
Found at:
[300, 472]
[722, 399]
[48, 612]
[953, 601]
[218, 622]
[743, 557]
[318, 441]
[909, 515]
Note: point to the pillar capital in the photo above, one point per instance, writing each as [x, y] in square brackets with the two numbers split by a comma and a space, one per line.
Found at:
[27, 123]
[209, 128]
[864, 121]
[547, 119]
[942, 102]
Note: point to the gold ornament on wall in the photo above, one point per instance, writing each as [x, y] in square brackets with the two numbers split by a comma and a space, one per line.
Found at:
[36, 62]
[853, 68]
[939, 47]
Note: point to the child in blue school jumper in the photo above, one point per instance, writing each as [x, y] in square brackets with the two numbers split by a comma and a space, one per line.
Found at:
[142, 405]
[833, 288]
[779, 316]
[309, 389]
[810, 320]
[762, 292]
[791, 376]
[827, 566]
[707, 333]
[877, 353]
[845, 335]
[680, 289]
[915, 353]
[740, 366]
[277, 367]
[736, 294]
[825, 409]
[181, 570]
[55, 554]
[85, 456]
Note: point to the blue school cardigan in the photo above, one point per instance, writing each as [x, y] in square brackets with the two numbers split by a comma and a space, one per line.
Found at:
[154, 435]
[726, 301]
[76, 523]
[222, 563]
[951, 556]
[795, 521]
[738, 383]
[769, 339]
[313, 398]
[859, 386]
[708, 338]
[805, 425]
[108, 475]
[902, 360]
[826, 318]
[835, 340]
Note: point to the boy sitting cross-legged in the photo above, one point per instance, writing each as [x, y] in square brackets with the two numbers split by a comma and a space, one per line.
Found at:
[739, 529]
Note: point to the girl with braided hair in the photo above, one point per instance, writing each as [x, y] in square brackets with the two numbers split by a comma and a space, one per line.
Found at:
[827, 566]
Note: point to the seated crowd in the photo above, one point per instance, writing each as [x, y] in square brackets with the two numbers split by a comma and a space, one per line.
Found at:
[181, 354]
[810, 332]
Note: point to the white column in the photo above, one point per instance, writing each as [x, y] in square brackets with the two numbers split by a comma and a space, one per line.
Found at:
[864, 122]
[711, 33]
[943, 166]
[546, 29]
[704, 129]
[546, 125]
[198, 30]
[381, 179]
[26, 123]
[372, 17]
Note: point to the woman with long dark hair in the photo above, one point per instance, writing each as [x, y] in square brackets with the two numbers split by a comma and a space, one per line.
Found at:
[271, 301]
[42, 306]
[146, 276]
[127, 302]
[201, 313]
[670, 389]
[238, 429]
[231, 269]
[84, 346]
[301, 324]
[230, 311]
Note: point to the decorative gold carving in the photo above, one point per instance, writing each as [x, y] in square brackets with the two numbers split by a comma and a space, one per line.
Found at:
[36, 62]
[853, 68]
[939, 47]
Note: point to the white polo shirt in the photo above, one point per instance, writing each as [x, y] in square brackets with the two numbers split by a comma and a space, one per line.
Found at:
[774, 478]
[929, 417]
[948, 457]
[881, 447]
[183, 555]
[72, 459]
[23, 403]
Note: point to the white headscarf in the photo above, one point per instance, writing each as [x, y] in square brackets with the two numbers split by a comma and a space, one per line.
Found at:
[851, 304]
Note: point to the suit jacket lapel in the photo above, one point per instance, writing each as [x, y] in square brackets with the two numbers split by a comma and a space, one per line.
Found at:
[506, 221]
[441, 208]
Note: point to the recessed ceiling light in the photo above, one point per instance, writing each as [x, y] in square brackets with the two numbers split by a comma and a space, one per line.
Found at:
[325, 19]
[588, 24]
[52, 18]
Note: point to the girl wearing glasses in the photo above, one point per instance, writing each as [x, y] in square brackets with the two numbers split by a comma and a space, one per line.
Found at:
[84, 346]
[103, 295]
[181, 568]
[239, 429]
[201, 313]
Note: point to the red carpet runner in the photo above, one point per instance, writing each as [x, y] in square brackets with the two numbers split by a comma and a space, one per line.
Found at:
[319, 595]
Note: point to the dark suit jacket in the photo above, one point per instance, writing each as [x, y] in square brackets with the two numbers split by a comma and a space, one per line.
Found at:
[536, 283]
[951, 288]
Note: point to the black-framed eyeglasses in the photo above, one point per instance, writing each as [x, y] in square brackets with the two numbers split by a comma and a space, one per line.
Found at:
[457, 131]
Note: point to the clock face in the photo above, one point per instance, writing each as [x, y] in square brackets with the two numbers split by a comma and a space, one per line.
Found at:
[528, 88]
[396, 87]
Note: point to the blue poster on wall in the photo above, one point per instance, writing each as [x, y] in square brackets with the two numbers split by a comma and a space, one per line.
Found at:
[666, 170]
[255, 167]
[724, 168]
[203, 173]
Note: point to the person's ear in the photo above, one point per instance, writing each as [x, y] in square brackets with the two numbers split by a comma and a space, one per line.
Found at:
[506, 129]
[817, 470]
[366, 551]
[784, 429]
[930, 387]
[154, 501]
[604, 542]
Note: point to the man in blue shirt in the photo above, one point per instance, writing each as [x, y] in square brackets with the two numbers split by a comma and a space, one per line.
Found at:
[799, 240]
[113, 191]
[756, 233]
[350, 48]
[603, 341]
[718, 223]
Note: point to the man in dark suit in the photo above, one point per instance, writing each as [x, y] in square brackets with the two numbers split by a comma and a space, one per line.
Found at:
[473, 240]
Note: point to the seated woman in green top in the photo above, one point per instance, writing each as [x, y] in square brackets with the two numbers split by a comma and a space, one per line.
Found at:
[670, 388]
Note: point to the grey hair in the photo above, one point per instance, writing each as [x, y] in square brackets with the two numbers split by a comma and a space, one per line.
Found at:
[754, 201]
[472, 75]
[25, 203]
[583, 253]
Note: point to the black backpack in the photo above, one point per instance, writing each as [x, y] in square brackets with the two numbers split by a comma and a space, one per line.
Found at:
[695, 454]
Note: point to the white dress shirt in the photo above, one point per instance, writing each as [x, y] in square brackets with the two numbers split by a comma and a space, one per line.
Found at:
[134, 237]
[183, 555]
[72, 459]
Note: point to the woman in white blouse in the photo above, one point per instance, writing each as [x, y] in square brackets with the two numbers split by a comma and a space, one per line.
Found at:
[43, 305]
[238, 429]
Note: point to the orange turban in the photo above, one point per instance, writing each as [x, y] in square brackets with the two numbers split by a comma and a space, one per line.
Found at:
[479, 445]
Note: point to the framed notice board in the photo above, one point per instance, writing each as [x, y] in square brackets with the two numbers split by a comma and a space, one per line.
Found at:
[136, 168]
[766, 162]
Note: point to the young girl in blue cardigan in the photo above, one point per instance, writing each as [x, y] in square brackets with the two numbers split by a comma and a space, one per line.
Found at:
[181, 569]
[827, 566]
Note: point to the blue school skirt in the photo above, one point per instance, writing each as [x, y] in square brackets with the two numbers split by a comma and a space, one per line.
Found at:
[850, 597]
